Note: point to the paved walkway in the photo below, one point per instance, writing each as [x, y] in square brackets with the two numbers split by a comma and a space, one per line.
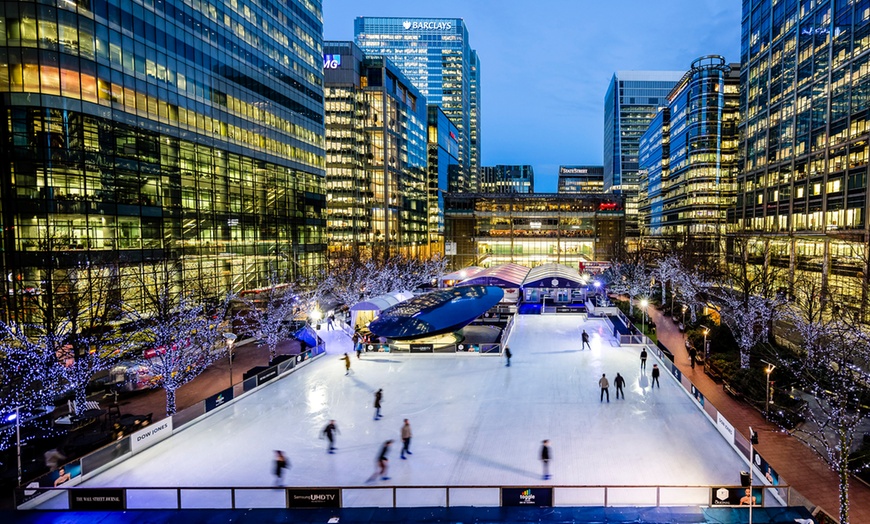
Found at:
[799, 466]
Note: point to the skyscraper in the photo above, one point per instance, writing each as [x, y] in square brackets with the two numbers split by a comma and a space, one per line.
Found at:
[376, 123]
[507, 179]
[435, 54]
[581, 179]
[802, 186]
[631, 102]
[143, 133]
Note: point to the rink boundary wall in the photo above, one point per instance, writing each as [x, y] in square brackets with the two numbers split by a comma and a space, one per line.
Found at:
[91, 464]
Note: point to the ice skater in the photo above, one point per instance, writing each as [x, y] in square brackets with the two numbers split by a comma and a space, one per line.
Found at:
[643, 359]
[655, 377]
[281, 463]
[406, 439]
[379, 397]
[329, 432]
[507, 356]
[545, 458]
[329, 320]
[604, 384]
[346, 364]
[619, 382]
[356, 345]
[382, 463]
[585, 338]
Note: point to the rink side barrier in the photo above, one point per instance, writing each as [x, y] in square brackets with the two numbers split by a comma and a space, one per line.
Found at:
[85, 467]
[270, 497]
[759, 467]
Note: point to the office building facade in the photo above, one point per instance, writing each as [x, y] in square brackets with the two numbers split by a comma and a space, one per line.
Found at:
[435, 54]
[581, 179]
[140, 133]
[533, 229]
[444, 171]
[802, 184]
[376, 153]
[632, 101]
[688, 161]
[507, 179]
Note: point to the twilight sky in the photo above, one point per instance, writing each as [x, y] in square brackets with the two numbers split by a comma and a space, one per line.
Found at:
[546, 65]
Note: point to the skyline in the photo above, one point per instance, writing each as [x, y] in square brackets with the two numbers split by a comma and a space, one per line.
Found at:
[561, 119]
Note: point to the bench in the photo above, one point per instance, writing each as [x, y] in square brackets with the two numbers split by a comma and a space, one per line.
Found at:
[731, 391]
[713, 373]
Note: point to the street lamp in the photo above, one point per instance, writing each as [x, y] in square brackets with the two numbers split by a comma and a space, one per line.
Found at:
[768, 396]
[643, 304]
[685, 307]
[706, 351]
[231, 339]
[17, 418]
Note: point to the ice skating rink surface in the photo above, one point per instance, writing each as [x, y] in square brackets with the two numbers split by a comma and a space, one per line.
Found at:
[474, 421]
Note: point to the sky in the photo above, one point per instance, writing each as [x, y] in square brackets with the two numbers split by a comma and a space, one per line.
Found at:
[546, 65]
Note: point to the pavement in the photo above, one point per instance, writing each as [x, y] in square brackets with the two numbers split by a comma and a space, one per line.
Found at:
[796, 464]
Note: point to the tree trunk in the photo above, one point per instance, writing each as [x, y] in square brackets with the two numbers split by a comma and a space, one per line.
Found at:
[81, 398]
[170, 402]
[843, 474]
[744, 358]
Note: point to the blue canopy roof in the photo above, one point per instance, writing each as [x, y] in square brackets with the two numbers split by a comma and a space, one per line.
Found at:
[553, 276]
[503, 275]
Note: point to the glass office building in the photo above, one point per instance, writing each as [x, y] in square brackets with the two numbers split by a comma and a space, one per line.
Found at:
[435, 54]
[533, 229]
[376, 131]
[444, 172]
[631, 102]
[688, 161]
[507, 179]
[581, 179]
[805, 96]
[140, 132]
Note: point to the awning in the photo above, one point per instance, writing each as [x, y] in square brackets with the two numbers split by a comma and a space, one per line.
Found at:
[504, 275]
[382, 302]
[462, 274]
[553, 276]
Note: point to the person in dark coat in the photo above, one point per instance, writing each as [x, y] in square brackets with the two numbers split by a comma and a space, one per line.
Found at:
[329, 432]
[281, 464]
[382, 463]
[545, 458]
[379, 396]
[356, 344]
[507, 355]
[585, 338]
[692, 354]
[406, 439]
[619, 382]
[655, 376]
[643, 359]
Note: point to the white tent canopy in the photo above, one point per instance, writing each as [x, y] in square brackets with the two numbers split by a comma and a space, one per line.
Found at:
[365, 311]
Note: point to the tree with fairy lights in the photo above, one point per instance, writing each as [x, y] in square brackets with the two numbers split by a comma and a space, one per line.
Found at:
[631, 278]
[352, 278]
[268, 312]
[832, 370]
[177, 338]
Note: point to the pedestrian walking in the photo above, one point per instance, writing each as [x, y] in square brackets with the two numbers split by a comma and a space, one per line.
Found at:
[619, 382]
[655, 376]
[329, 432]
[692, 354]
[406, 439]
[545, 458]
[604, 384]
[379, 397]
[346, 364]
[329, 320]
[382, 463]
[507, 356]
[643, 359]
[281, 463]
[585, 337]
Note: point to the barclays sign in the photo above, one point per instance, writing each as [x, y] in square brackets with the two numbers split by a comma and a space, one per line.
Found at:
[427, 26]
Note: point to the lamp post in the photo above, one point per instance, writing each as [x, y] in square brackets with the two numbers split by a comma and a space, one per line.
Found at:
[231, 339]
[753, 440]
[685, 307]
[17, 418]
[706, 352]
[643, 304]
[768, 396]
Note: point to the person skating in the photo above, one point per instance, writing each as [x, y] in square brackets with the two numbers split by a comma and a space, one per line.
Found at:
[604, 384]
[346, 364]
[655, 376]
[356, 345]
[545, 458]
[585, 338]
[643, 359]
[507, 356]
[619, 382]
[379, 397]
[281, 463]
[329, 432]
[329, 320]
[406, 439]
[382, 463]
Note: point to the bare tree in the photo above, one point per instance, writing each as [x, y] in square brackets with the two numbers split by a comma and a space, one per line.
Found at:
[833, 370]
[629, 278]
[667, 270]
[177, 336]
[266, 312]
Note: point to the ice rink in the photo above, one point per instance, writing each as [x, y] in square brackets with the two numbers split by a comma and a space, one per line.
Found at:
[474, 421]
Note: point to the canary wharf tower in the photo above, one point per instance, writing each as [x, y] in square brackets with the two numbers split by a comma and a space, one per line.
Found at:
[435, 55]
